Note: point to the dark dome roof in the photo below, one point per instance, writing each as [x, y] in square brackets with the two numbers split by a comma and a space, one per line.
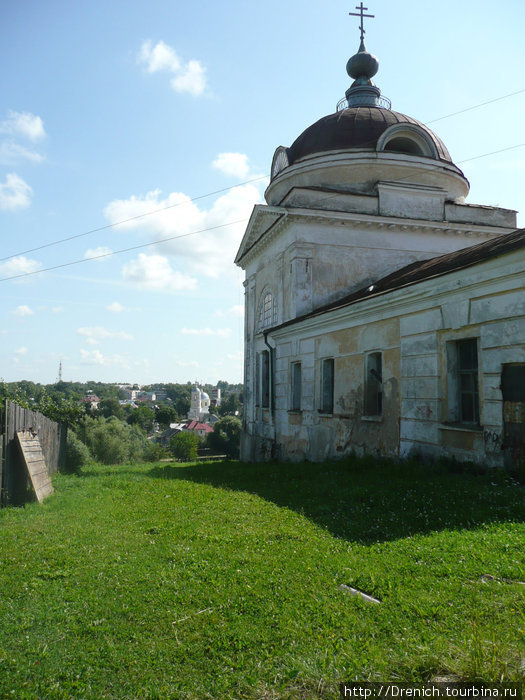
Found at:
[355, 127]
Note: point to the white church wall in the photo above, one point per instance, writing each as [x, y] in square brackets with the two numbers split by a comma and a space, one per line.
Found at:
[414, 341]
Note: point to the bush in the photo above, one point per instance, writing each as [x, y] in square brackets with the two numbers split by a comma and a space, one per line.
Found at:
[77, 454]
[155, 452]
[226, 438]
[111, 441]
[184, 446]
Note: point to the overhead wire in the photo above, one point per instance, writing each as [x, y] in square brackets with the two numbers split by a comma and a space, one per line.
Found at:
[209, 194]
[132, 218]
[122, 250]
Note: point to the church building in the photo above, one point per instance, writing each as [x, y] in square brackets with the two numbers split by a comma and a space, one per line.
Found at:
[383, 313]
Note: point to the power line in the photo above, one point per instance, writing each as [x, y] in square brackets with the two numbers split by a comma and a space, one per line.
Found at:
[209, 194]
[123, 250]
[481, 104]
[492, 153]
[132, 218]
[240, 184]
[193, 233]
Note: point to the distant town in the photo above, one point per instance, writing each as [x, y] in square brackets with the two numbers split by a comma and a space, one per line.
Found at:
[161, 410]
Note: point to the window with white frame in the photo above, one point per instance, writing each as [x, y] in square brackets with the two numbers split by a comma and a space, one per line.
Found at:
[267, 310]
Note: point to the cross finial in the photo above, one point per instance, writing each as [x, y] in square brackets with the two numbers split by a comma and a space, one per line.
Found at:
[361, 14]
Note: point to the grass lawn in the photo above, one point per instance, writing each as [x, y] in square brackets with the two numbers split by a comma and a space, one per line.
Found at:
[222, 581]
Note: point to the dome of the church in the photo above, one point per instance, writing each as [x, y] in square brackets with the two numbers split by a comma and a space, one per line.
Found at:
[363, 143]
[361, 128]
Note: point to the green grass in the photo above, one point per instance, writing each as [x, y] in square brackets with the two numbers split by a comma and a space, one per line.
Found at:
[222, 581]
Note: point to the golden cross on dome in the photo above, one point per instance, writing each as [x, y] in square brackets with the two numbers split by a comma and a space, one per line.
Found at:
[361, 14]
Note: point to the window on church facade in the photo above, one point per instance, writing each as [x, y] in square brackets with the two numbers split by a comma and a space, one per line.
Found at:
[267, 311]
[327, 386]
[373, 384]
[467, 380]
[257, 379]
[296, 382]
[463, 381]
[265, 379]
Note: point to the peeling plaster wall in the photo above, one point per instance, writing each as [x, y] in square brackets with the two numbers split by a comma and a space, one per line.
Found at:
[412, 328]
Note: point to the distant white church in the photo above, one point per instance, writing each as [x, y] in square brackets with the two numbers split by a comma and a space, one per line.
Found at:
[200, 404]
[384, 314]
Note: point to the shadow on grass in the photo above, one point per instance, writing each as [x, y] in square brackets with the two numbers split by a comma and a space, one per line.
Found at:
[366, 500]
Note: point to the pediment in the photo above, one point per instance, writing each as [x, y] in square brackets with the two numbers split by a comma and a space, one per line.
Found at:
[261, 221]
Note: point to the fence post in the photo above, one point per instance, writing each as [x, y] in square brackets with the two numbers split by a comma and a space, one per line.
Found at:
[3, 456]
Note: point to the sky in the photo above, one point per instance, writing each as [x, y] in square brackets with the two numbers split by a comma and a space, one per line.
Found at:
[124, 123]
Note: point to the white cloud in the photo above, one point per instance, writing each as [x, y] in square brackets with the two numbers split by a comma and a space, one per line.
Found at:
[235, 164]
[20, 265]
[158, 57]
[154, 272]
[57, 309]
[97, 253]
[95, 357]
[24, 124]
[21, 351]
[92, 357]
[191, 78]
[12, 153]
[101, 333]
[15, 193]
[209, 252]
[187, 77]
[219, 332]
[22, 310]
[189, 363]
[116, 307]
[236, 310]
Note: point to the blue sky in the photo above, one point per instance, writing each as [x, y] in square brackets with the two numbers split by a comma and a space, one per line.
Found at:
[110, 110]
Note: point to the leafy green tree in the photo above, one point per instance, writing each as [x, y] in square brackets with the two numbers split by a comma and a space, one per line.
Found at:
[229, 405]
[226, 438]
[77, 453]
[112, 441]
[110, 407]
[143, 417]
[184, 445]
[164, 415]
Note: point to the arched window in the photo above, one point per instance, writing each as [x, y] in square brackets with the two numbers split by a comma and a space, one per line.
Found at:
[267, 310]
[407, 138]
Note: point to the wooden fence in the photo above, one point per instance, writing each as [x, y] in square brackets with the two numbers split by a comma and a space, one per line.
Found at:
[14, 479]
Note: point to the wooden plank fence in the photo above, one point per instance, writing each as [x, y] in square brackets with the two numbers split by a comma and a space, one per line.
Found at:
[14, 477]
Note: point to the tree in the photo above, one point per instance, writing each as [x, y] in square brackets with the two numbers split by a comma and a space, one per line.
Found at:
[226, 437]
[164, 415]
[143, 417]
[229, 405]
[110, 407]
[184, 445]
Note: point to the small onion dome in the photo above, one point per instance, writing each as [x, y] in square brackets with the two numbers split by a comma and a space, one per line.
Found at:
[362, 64]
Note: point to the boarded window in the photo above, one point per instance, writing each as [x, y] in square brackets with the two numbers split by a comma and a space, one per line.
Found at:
[467, 380]
[327, 386]
[296, 386]
[373, 384]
